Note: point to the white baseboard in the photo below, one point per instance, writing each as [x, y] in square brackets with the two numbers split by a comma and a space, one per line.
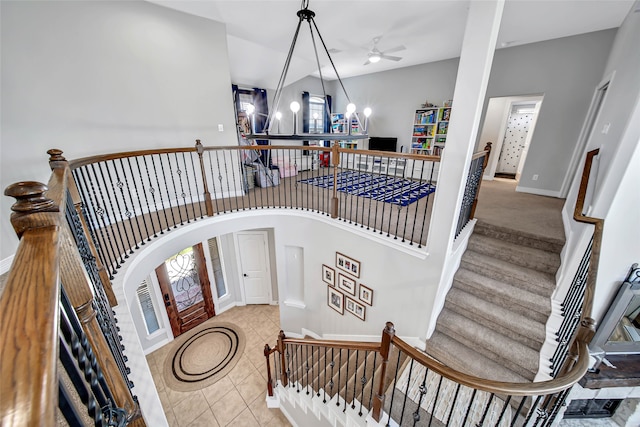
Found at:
[539, 191]
[5, 264]
[309, 333]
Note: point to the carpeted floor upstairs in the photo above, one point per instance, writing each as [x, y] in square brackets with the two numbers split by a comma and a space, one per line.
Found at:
[493, 321]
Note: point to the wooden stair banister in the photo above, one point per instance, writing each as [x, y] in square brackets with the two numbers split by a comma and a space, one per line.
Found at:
[29, 308]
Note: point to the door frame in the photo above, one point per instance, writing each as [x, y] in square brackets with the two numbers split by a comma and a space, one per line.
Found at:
[497, 148]
[265, 233]
[168, 299]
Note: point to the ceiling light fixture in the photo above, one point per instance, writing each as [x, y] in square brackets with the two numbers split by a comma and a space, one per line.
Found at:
[305, 14]
[374, 57]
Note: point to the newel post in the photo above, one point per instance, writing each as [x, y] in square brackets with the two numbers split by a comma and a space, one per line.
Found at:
[283, 361]
[207, 195]
[267, 352]
[487, 149]
[58, 161]
[335, 161]
[385, 347]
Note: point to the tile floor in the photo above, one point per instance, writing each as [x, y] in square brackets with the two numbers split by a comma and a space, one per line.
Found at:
[238, 398]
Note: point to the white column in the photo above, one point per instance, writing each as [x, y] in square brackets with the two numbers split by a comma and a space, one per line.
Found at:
[481, 33]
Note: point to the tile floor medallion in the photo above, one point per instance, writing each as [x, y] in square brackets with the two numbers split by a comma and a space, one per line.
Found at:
[239, 397]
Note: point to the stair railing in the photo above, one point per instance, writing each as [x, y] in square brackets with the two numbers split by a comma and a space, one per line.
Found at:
[127, 199]
[50, 316]
[477, 167]
[393, 379]
[422, 387]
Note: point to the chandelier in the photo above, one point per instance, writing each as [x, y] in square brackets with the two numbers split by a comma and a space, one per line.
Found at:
[274, 116]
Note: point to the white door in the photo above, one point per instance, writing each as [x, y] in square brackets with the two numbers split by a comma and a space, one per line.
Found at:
[254, 267]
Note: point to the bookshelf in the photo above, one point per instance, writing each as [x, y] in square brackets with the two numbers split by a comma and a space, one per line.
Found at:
[339, 125]
[430, 127]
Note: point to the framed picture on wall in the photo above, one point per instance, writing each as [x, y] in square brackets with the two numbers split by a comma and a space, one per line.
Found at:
[348, 265]
[335, 299]
[355, 308]
[328, 275]
[346, 284]
[365, 294]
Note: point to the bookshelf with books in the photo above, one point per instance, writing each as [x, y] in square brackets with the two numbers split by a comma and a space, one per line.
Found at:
[339, 125]
[430, 127]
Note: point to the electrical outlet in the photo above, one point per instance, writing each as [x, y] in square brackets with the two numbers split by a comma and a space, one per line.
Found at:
[220, 128]
[535, 177]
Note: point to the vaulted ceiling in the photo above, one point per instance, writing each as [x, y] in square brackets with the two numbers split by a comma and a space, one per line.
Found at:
[259, 32]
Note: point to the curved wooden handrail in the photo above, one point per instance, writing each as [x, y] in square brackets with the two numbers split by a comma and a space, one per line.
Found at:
[29, 310]
[74, 164]
[351, 345]
[501, 387]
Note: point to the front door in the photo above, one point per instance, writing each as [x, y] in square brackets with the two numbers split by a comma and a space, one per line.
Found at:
[186, 291]
[254, 265]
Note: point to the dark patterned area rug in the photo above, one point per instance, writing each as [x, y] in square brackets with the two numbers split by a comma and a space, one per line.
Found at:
[203, 355]
[383, 188]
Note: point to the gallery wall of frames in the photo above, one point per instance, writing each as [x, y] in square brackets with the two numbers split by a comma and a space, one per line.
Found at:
[344, 293]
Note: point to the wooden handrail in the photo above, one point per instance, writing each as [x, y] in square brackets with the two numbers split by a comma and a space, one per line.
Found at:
[351, 345]
[29, 306]
[598, 224]
[74, 164]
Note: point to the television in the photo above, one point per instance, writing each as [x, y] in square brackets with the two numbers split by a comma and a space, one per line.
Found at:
[383, 143]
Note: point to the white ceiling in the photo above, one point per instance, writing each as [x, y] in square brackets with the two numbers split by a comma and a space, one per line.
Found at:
[259, 32]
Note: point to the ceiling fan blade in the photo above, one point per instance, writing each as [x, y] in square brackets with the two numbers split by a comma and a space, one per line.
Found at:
[367, 63]
[395, 49]
[392, 58]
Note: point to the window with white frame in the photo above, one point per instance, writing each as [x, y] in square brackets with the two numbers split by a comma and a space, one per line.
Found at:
[316, 114]
[148, 310]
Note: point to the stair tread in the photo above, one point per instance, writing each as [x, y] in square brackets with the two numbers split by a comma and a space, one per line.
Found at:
[457, 356]
[468, 304]
[520, 255]
[554, 244]
[521, 297]
[522, 276]
[480, 338]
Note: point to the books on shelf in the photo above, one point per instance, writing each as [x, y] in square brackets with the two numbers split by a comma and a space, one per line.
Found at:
[430, 128]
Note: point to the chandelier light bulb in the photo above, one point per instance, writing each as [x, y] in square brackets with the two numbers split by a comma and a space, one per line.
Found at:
[295, 106]
[367, 112]
[249, 109]
[351, 108]
[278, 115]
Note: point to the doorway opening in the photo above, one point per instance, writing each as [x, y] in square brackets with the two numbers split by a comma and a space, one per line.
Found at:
[186, 291]
[509, 124]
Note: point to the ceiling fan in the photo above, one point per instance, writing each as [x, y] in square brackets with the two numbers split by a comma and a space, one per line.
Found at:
[375, 55]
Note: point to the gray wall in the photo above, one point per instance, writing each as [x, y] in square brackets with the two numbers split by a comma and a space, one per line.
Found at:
[566, 72]
[98, 77]
[395, 95]
[616, 197]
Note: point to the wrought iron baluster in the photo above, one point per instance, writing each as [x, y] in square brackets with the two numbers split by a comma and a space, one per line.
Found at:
[355, 381]
[130, 213]
[435, 401]
[120, 185]
[486, 410]
[182, 193]
[113, 222]
[189, 188]
[406, 393]
[453, 404]
[426, 206]
[194, 170]
[393, 392]
[108, 254]
[146, 227]
[423, 391]
[166, 187]
[159, 186]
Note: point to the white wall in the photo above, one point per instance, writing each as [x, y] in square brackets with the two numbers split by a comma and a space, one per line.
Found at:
[102, 77]
[616, 197]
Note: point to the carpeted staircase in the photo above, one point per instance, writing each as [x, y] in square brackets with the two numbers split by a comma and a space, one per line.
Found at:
[493, 321]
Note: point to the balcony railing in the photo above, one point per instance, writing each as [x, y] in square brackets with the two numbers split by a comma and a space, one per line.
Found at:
[130, 198]
[75, 234]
